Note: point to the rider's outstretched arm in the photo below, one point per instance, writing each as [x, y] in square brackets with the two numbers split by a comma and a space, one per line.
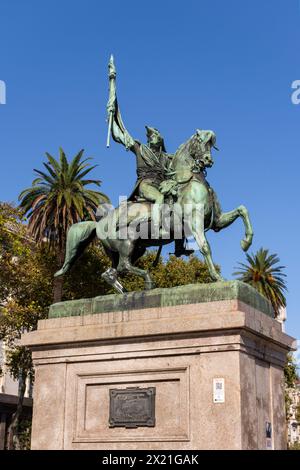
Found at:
[116, 126]
[119, 132]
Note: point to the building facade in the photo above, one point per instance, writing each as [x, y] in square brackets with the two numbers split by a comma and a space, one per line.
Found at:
[9, 397]
[294, 415]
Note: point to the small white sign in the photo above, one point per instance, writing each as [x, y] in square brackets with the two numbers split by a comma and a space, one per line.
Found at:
[269, 444]
[219, 390]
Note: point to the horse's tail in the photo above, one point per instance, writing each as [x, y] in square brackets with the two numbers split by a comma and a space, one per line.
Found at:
[79, 237]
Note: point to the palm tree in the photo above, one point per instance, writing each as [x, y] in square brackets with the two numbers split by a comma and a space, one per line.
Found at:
[264, 273]
[57, 199]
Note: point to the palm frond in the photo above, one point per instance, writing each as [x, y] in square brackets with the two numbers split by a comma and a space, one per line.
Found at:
[264, 274]
[59, 197]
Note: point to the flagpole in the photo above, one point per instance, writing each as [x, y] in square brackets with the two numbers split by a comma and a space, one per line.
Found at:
[112, 96]
[109, 128]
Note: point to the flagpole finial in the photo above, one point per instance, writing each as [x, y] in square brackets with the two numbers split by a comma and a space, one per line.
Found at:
[111, 68]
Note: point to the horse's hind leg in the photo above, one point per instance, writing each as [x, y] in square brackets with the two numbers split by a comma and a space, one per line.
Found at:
[125, 265]
[78, 238]
[111, 277]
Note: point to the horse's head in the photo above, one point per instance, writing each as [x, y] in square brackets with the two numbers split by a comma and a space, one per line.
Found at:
[200, 146]
[194, 155]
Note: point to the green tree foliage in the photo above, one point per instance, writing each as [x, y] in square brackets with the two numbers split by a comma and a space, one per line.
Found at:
[170, 273]
[295, 446]
[290, 378]
[84, 279]
[12, 245]
[24, 297]
[57, 199]
[290, 371]
[264, 274]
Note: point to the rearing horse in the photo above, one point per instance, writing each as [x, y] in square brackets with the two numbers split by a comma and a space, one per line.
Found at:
[189, 188]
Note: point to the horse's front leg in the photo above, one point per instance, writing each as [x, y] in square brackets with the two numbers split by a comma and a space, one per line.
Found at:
[224, 219]
[197, 229]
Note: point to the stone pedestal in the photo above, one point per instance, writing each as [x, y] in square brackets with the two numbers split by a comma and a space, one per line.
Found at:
[212, 354]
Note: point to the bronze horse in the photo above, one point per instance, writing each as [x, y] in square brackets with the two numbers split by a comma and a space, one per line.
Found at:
[193, 204]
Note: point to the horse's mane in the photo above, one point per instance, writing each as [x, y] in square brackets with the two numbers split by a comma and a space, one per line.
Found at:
[183, 150]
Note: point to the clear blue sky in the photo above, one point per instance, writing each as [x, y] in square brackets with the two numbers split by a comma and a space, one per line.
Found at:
[211, 64]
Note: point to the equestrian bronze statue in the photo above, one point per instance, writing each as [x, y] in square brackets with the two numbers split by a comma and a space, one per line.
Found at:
[171, 201]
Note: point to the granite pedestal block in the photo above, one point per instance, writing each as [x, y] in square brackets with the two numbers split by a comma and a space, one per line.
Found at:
[206, 360]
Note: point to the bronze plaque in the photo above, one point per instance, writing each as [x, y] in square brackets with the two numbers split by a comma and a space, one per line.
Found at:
[132, 407]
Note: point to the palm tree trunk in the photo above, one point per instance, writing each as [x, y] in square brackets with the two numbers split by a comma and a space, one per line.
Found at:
[58, 281]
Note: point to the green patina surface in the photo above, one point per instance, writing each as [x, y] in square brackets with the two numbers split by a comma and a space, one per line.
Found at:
[181, 295]
[177, 180]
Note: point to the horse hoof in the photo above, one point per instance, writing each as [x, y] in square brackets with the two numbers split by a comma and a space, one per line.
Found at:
[149, 285]
[59, 273]
[245, 245]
